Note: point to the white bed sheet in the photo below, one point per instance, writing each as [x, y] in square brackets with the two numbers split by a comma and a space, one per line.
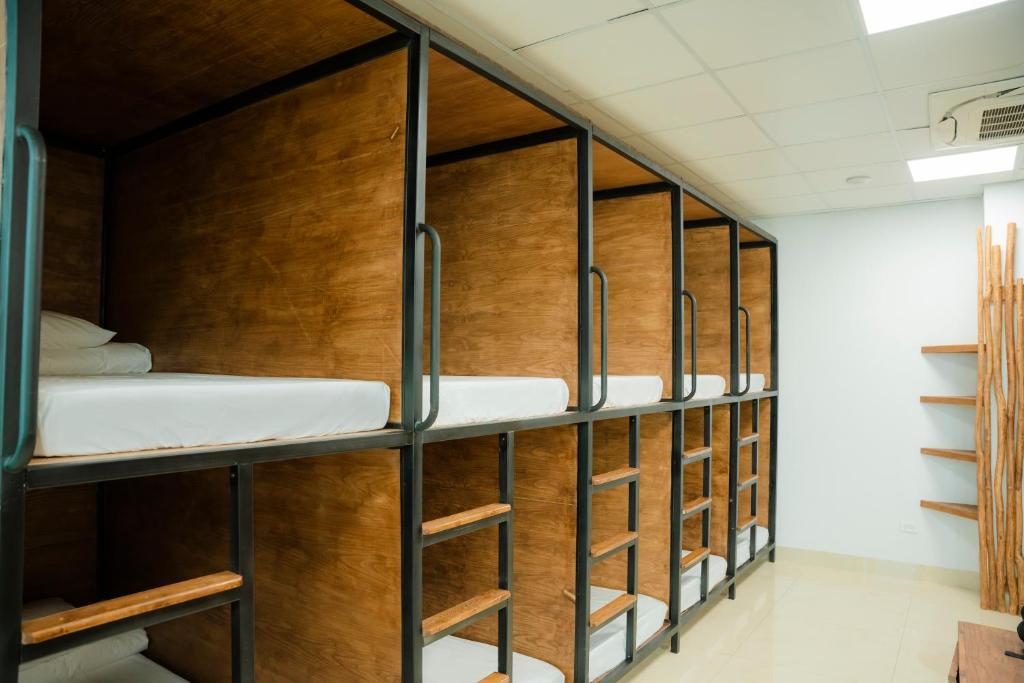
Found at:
[756, 382]
[134, 669]
[743, 543]
[469, 400]
[117, 413]
[457, 660]
[689, 582]
[708, 386]
[630, 390]
[608, 644]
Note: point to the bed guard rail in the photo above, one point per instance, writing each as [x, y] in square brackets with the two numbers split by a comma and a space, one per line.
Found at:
[32, 265]
[435, 327]
[604, 337]
[746, 315]
[693, 343]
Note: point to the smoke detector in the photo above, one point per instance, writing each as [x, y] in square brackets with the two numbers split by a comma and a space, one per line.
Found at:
[977, 116]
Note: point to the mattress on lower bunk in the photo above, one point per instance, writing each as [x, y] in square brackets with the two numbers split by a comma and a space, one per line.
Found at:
[708, 386]
[457, 660]
[117, 413]
[630, 390]
[608, 644]
[469, 400]
[756, 382]
[743, 543]
[689, 582]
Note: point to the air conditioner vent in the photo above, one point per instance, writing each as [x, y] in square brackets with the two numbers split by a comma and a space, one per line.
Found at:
[1003, 122]
[991, 114]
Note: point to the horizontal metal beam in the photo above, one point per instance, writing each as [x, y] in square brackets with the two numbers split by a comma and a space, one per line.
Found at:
[487, 149]
[632, 191]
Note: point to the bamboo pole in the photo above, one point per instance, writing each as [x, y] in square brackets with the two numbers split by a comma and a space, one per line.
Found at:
[996, 373]
[1010, 517]
[986, 551]
[1018, 502]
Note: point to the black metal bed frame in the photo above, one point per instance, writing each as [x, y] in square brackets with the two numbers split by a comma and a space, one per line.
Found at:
[19, 267]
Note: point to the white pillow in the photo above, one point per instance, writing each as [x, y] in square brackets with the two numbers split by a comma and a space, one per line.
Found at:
[109, 359]
[60, 331]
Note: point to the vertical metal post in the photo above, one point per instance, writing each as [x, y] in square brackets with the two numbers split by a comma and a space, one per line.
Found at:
[774, 253]
[584, 498]
[634, 526]
[676, 525]
[12, 553]
[705, 518]
[506, 478]
[755, 422]
[412, 559]
[734, 432]
[243, 562]
[773, 466]
[678, 266]
[734, 307]
[585, 259]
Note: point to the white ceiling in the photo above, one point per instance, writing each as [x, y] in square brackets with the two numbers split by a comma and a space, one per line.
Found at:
[766, 105]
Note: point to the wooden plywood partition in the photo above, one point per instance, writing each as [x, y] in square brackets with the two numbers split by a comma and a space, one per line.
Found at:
[756, 296]
[269, 241]
[612, 170]
[610, 507]
[508, 225]
[693, 480]
[707, 267]
[328, 566]
[459, 475]
[633, 245]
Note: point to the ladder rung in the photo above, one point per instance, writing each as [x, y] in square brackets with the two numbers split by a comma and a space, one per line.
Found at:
[495, 678]
[463, 614]
[614, 478]
[117, 609]
[696, 454]
[749, 439]
[694, 557]
[747, 483]
[600, 551]
[695, 506]
[746, 523]
[467, 521]
[612, 610]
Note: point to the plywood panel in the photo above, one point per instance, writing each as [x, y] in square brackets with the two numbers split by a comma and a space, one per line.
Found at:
[60, 544]
[633, 244]
[327, 566]
[756, 296]
[467, 109]
[463, 474]
[269, 241]
[693, 480]
[612, 170]
[706, 263]
[764, 462]
[508, 227]
[115, 69]
[695, 210]
[73, 244]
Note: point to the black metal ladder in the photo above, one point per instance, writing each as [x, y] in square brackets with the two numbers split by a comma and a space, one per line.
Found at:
[751, 441]
[701, 556]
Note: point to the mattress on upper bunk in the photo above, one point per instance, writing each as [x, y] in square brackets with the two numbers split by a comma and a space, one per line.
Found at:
[469, 400]
[457, 660]
[756, 382]
[689, 582]
[630, 390]
[608, 644]
[708, 386]
[743, 543]
[86, 415]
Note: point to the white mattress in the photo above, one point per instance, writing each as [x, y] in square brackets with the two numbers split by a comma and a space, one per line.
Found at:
[689, 582]
[457, 660]
[743, 543]
[468, 400]
[629, 390]
[608, 644]
[134, 669]
[116, 413]
[756, 382]
[708, 386]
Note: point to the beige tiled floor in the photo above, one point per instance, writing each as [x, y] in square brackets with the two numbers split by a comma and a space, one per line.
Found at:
[800, 620]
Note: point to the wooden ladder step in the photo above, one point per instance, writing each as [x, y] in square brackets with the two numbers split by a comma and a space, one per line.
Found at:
[611, 610]
[696, 505]
[466, 518]
[465, 612]
[117, 609]
[612, 545]
[958, 509]
[696, 454]
[746, 523]
[950, 348]
[747, 483]
[749, 439]
[615, 477]
[694, 557]
[949, 400]
[495, 678]
[952, 453]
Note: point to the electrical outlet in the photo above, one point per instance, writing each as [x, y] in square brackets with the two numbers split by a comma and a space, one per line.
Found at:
[908, 527]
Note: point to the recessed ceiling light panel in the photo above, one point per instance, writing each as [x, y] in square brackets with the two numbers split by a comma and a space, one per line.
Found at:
[885, 15]
[961, 165]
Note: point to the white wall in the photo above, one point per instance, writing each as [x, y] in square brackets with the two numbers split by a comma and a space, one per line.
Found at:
[860, 293]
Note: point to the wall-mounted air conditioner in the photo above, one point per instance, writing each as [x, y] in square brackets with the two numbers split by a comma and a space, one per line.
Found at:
[981, 115]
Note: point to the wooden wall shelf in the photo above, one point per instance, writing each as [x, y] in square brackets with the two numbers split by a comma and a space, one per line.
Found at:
[958, 509]
[950, 348]
[951, 453]
[949, 400]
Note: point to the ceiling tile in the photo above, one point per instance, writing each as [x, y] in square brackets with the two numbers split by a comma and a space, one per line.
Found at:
[915, 143]
[869, 196]
[603, 121]
[804, 78]
[908, 107]
[973, 42]
[828, 120]
[785, 205]
[623, 55]
[688, 175]
[730, 136]
[683, 102]
[863, 149]
[889, 173]
[528, 21]
[654, 152]
[759, 29]
[764, 188]
[770, 162]
[958, 187]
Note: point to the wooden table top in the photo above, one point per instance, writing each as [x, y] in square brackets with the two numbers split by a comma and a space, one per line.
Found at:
[980, 655]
